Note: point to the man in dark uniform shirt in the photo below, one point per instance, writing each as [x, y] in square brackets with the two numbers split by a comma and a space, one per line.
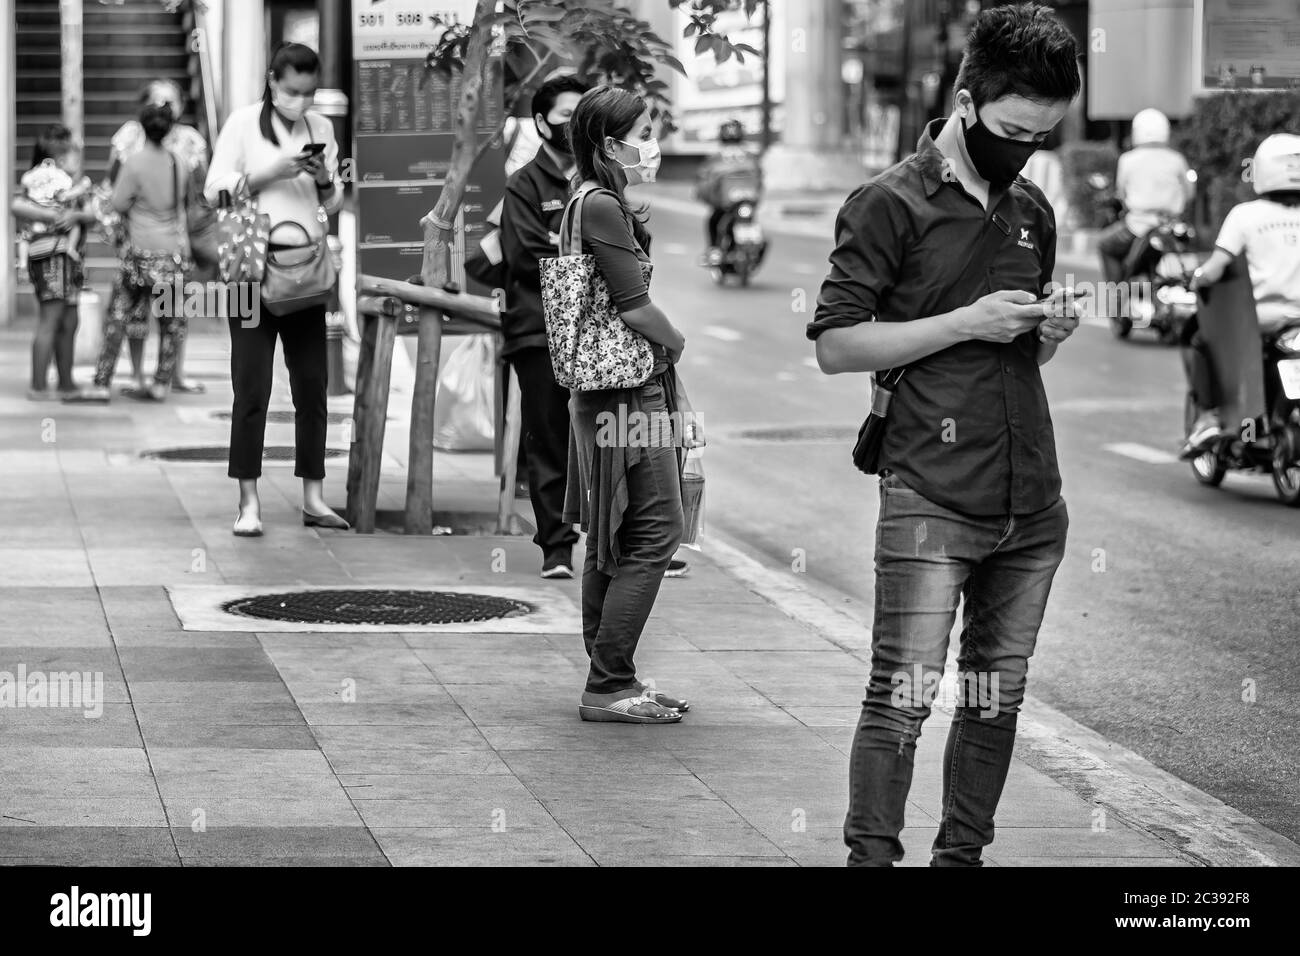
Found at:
[535, 198]
[970, 502]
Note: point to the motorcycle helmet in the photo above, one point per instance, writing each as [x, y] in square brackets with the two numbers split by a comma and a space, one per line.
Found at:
[1150, 126]
[1277, 164]
[732, 131]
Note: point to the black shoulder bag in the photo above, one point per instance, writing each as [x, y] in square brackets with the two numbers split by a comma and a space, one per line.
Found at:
[871, 436]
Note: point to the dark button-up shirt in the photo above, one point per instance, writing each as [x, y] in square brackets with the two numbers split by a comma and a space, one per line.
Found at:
[969, 426]
[536, 195]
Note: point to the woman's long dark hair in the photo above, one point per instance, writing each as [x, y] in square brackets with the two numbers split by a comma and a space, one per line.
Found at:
[297, 55]
[603, 111]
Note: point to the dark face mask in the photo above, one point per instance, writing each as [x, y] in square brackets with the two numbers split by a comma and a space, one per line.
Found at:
[559, 138]
[996, 158]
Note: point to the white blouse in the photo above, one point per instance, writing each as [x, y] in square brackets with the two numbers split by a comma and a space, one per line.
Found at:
[242, 150]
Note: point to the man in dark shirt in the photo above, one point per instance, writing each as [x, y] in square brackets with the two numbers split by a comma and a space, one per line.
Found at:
[535, 198]
[970, 503]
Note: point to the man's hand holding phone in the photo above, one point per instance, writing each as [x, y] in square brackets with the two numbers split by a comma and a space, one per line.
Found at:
[1061, 309]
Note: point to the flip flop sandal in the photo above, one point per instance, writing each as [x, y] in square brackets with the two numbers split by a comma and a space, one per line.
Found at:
[189, 388]
[647, 689]
[144, 394]
[620, 711]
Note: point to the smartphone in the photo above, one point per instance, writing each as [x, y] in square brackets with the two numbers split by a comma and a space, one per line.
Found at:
[313, 149]
[1067, 293]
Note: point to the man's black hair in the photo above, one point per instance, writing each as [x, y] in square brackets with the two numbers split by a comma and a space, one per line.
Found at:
[1019, 49]
[546, 95]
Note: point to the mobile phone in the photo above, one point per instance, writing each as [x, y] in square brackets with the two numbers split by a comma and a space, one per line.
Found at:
[1067, 293]
[313, 149]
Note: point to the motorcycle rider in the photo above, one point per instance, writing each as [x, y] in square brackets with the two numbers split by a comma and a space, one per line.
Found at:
[733, 161]
[1152, 180]
[1267, 230]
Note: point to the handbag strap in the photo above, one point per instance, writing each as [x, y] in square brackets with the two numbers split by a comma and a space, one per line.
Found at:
[995, 229]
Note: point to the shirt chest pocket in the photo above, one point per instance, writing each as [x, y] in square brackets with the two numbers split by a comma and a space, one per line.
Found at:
[1016, 267]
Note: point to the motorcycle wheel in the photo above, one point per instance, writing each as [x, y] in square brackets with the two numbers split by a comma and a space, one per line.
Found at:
[1120, 327]
[1286, 480]
[1208, 467]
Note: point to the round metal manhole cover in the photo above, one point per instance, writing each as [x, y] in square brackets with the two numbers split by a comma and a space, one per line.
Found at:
[221, 453]
[284, 416]
[805, 434]
[377, 607]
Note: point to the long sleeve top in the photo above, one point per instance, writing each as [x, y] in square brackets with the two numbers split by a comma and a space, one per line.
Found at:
[242, 150]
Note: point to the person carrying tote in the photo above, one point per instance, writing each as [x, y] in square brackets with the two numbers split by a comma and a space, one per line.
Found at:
[625, 494]
[263, 150]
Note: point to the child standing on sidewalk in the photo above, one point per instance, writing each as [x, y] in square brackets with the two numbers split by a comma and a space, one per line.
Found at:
[53, 205]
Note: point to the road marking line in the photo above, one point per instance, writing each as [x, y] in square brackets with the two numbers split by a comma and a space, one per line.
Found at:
[1144, 453]
[723, 333]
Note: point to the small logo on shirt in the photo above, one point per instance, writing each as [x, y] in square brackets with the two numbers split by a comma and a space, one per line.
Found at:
[551, 205]
[1024, 242]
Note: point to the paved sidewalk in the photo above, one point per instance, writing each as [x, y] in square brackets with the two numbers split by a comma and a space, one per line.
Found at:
[235, 746]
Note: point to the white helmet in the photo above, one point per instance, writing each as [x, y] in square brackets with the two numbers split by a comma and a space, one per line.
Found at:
[1150, 126]
[1277, 163]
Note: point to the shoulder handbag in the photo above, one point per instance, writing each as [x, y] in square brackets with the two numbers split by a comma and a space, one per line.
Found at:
[299, 277]
[871, 436]
[242, 237]
[591, 347]
[45, 246]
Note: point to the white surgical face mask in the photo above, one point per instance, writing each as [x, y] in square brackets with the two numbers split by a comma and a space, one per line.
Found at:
[648, 165]
[290, 107]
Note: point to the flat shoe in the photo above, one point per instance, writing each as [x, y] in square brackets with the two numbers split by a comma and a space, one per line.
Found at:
[629, 710]
[189, 388]
[310, 520]
[247, 526]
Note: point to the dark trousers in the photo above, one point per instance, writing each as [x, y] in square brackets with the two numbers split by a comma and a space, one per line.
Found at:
[715, 220]
[615, 608]
[545, 412]
[1114, 244]
[252, 357]
[1002, 567]
[1198, 367]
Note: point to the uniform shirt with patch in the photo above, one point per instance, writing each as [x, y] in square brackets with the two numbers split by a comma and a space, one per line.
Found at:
[969, 426]
[1269, 234]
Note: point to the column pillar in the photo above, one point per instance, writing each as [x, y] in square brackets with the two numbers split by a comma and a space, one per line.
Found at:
[812, 153]
[245, 48]
[8, 174]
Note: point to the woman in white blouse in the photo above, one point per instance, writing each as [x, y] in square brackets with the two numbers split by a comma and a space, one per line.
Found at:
[263, 147]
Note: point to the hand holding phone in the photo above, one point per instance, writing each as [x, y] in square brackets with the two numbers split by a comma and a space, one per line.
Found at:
[313, 149]
[1061, 314]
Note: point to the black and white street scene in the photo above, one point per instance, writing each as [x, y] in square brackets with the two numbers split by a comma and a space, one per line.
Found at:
[652, 433]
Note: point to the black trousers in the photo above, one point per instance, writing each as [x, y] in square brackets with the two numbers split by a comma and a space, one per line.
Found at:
[252, 358]
[1198, 367]
[545, 413]
[711, 227]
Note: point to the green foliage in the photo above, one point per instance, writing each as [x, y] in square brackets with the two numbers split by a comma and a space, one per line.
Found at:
[1080, 161]
[601, 40]
[1220, 137]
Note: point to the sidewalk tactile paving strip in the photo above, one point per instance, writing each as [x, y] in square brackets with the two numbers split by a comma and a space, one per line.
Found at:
[221, 453]
[395, 607]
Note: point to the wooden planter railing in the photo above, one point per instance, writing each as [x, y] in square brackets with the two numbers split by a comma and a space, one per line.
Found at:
[381, 304]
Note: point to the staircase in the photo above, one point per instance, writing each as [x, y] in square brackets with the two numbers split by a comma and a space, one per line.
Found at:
[124, 44]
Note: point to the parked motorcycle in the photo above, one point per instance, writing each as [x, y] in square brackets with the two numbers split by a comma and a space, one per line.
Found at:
[1160, 281]
[743, 244]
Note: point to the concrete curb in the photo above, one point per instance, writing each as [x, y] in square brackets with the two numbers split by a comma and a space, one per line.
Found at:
[1192, 823]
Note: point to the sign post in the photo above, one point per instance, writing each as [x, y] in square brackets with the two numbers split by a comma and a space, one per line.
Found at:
[403, 130]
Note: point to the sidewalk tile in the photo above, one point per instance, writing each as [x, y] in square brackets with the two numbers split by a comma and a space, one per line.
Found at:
[45, 567]
[224, 845]
[350, 761]
[480, 846]
[86, 845]
[186, 734]
[87, 811]
[264, 812]
[197, 664]
[182, 760]
[441, 738]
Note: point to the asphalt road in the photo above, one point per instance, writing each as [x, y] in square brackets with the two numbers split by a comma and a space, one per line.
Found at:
[1174, 623]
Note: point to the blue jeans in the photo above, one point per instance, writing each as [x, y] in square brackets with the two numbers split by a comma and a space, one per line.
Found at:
[927, 558]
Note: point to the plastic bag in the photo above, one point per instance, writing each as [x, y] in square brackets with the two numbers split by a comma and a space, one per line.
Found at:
[463, 410]
[693, 498]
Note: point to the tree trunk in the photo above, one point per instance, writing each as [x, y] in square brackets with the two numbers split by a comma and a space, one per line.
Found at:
[438, 233]
[70, 21]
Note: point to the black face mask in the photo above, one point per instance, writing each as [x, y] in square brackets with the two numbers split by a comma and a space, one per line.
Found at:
[996, 158]
[559, 139]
